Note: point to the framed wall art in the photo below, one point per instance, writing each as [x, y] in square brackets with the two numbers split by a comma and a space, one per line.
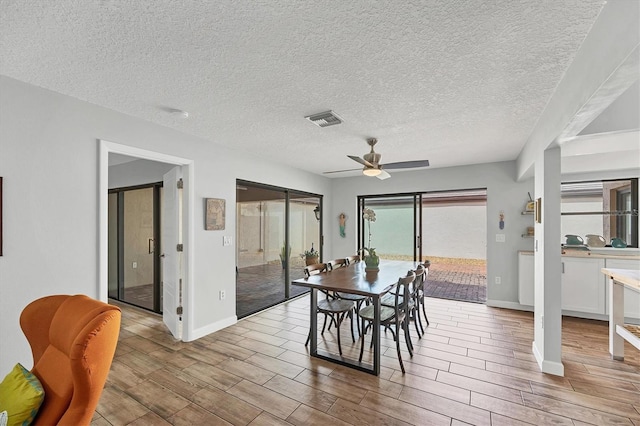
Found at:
[538, 211]
[214, 214]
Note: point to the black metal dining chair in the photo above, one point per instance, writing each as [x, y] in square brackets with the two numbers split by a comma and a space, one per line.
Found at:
[331, 306]
[391, 316]
[356, 298]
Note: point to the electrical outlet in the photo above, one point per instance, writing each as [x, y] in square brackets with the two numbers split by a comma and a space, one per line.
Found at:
[500, 238]
[134, 265]
[222, 294]
[226, 240]
[498, 280]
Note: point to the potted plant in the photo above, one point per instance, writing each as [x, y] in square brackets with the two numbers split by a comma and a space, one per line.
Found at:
[371, 259]
[284, 255]
[311, 257]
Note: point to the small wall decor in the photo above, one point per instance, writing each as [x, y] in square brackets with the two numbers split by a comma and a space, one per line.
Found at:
[214, 214]
[501, 222]
[342, 219]
[538, 212]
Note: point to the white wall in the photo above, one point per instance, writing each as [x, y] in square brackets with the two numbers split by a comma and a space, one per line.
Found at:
[137, 172]
[503, 193]
[49, 162]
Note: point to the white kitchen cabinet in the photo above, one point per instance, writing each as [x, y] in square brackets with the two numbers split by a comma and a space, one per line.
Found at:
[631, 298]
[582, 285]
[525, 279]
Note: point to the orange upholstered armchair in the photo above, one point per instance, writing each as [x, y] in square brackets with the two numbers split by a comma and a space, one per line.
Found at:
[73, 340]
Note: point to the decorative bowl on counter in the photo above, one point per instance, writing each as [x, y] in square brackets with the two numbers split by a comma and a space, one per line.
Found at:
[595, 240]
[618, 243]
[574, 240]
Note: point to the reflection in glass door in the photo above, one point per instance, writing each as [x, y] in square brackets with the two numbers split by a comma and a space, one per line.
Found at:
[274, 225]
[134, 229]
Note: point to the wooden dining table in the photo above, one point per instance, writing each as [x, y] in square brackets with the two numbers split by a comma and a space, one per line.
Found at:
[355, 280]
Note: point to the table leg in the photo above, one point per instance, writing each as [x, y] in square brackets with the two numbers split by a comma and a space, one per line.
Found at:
[314, 322]
[376, 335]
[616, 317]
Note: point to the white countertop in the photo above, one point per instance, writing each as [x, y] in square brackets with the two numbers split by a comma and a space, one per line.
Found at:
[628, 277]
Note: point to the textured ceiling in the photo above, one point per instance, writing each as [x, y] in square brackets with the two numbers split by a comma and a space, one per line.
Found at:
[455, 82]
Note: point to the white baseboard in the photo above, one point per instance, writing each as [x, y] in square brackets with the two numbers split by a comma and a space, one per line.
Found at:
[546, 366]
[508, 305]
[212, 328]
[552, 367]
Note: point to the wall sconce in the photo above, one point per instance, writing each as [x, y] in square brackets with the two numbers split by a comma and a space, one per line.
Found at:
[316, 211]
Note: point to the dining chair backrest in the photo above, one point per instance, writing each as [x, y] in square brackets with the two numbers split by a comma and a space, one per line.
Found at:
[314, 269]
[401, 291]
[421, 274]
[337, 263]
[353, 259]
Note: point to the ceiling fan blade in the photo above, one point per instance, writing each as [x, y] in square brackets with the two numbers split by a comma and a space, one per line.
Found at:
[383, 175]
[360, 160]
[407, 164]
[340, 171]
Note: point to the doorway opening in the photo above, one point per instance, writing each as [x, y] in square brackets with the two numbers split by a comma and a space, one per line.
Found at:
[176, 229]
[448, 228]
[273, 226]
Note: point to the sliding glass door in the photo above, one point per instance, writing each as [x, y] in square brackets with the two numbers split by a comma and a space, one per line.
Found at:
[134, 238]
[395, 234]
[448, 228]
[274, 226]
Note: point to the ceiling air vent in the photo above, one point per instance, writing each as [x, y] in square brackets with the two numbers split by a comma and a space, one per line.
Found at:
[324, 119]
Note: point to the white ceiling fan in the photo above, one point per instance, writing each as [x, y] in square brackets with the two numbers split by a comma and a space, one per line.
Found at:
[372, 166]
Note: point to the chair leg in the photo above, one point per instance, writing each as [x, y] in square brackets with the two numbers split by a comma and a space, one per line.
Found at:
[324, 324]
[407, 336]
[353, 336]
[415, 322]
[398, 346]
[338, 333]
[424, 311]
[358, 306]
[419, 320]
[362, 345]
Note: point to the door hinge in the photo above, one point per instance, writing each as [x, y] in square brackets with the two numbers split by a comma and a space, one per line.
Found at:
[180, 247]
[179, 310]
[180, 184]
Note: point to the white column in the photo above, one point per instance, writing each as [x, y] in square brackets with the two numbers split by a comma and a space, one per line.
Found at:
[547, 344]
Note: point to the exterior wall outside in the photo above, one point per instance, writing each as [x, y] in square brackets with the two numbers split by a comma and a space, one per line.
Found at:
[448, 231]
[455, 231]
[261, 232]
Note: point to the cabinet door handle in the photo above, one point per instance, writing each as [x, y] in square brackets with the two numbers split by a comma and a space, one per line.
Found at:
[563, 267]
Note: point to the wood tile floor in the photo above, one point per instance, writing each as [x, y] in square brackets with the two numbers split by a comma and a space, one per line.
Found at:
[473, 366]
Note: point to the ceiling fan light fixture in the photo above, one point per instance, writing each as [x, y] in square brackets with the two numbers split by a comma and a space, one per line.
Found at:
[324, 119]
[371, 172]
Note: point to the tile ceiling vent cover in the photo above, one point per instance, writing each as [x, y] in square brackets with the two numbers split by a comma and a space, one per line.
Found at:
[324, 119]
